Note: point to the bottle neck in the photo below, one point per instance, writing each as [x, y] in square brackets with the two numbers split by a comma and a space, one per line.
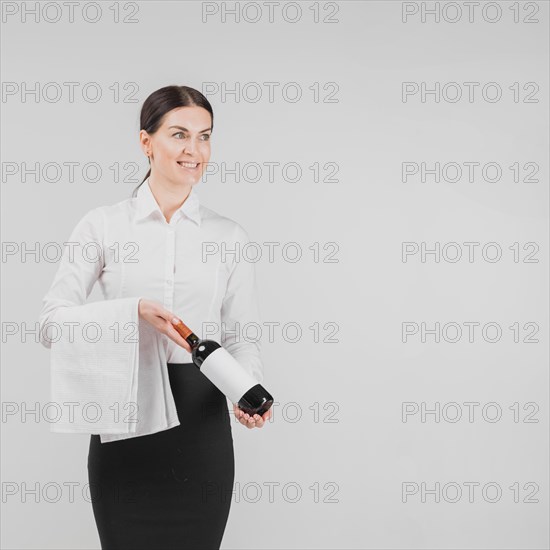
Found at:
[193, 340]
[187, 334]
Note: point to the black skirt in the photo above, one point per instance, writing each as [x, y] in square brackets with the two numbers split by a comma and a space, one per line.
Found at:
[171, 489]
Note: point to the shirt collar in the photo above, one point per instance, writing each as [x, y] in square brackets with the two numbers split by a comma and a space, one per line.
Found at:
[146, 204]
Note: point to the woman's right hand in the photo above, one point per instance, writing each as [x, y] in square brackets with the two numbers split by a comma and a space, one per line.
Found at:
[161, 318]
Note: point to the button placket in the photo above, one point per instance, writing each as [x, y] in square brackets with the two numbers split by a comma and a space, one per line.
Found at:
[170, 267]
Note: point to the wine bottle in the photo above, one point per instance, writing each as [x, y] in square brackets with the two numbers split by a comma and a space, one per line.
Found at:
[221, 368]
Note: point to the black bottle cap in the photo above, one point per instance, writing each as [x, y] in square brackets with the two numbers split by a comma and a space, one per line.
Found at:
[257, 400]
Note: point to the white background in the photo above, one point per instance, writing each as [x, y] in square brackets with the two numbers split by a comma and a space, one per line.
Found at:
[369, 131]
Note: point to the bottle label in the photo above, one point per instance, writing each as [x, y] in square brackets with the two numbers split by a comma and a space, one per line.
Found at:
[222, 369]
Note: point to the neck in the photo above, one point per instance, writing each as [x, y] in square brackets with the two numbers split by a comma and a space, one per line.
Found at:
[169, 197]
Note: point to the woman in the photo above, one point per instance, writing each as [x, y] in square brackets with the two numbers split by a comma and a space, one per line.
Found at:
[172, 488]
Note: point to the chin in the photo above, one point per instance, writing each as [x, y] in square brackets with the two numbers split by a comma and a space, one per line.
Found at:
[185, 179]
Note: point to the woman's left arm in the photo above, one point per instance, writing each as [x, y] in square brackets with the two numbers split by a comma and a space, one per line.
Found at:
[239, 307]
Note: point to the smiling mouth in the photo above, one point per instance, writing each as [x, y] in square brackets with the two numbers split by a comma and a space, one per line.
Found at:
[189, 165]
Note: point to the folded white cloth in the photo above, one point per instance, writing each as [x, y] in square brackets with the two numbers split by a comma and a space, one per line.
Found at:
[95, 375]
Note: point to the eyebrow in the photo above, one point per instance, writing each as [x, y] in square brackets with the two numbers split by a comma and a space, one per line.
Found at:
[186, 130]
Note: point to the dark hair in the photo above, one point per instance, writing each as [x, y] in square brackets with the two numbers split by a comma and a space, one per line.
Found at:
[163, 101]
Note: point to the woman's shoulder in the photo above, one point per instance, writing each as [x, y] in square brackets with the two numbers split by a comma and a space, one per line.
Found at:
[120, 209]
[97, 220]
[225, 225]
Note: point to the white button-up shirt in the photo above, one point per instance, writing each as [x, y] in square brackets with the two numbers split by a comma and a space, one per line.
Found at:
[194, 266]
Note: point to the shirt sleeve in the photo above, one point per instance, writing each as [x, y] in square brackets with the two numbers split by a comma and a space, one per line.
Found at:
[239, 307]
[81, 264]
[97, 366]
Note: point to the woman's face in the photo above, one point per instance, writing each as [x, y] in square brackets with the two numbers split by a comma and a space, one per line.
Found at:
[182, 141]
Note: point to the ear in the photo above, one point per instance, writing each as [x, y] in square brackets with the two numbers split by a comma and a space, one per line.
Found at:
[145, 142]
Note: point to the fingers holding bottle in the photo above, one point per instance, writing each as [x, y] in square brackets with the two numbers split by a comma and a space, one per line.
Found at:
[172, 333]
[163, 320]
